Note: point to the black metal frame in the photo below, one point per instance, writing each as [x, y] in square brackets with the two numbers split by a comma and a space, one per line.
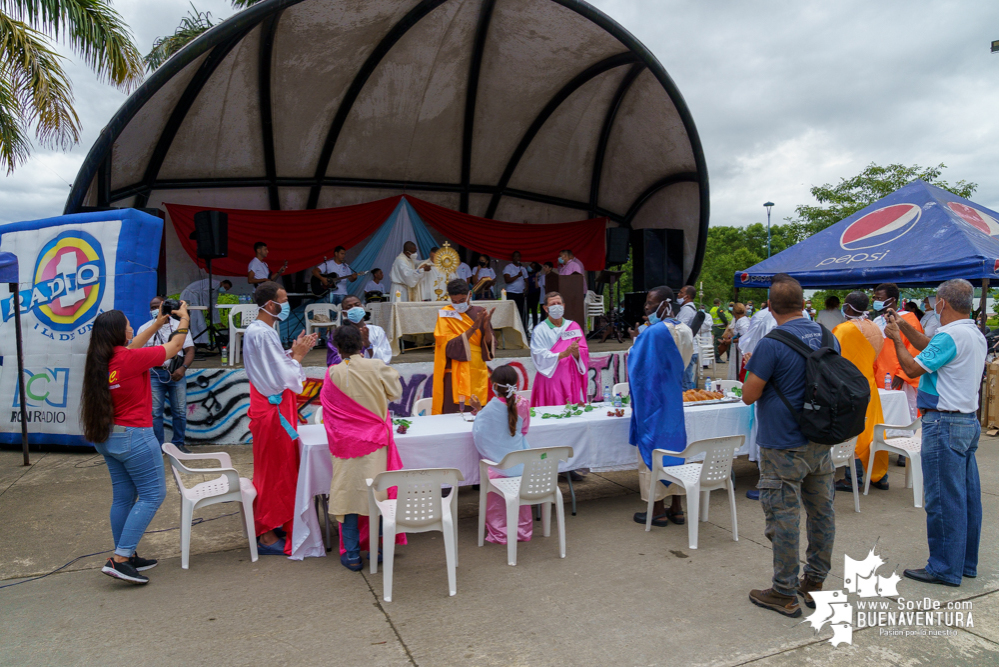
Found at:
[218, 41]
[605, 131]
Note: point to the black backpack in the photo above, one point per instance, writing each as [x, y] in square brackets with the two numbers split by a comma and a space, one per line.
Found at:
[836, 392]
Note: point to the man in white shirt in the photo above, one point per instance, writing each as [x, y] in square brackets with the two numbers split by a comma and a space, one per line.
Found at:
[831, 316]
[275, 376]
[334, 274]
[930, 321]
[375, 284]
[483, 271]
[258, 271]
[686, 315]
[375, 342]
[198, 294]
[405, 275]
[464, 272]
[949, 368]
[168, 381]
[515, 275]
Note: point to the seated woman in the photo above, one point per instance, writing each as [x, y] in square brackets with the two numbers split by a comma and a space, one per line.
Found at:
[355, 400]
[501, 428]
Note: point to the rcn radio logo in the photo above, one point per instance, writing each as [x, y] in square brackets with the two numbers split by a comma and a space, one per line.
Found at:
[67, 283]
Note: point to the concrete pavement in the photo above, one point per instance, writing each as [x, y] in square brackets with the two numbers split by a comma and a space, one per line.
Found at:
[621, 596]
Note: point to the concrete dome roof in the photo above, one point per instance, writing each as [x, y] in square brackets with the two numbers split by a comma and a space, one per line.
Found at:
[522, 110]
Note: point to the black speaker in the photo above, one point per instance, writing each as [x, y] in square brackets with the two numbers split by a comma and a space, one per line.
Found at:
[618, 239]
[657, 258]
[211, 231]
[634, 307]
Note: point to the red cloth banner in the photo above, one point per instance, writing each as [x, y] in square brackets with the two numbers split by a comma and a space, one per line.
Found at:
[304, 238]
[536, 243]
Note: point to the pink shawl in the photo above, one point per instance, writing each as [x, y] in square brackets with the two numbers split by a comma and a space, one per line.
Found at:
[353, 430]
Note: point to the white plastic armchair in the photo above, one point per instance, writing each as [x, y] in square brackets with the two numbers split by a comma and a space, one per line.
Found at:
[423, 405]
[911, 446]
[317, 416]
[229, 487]
[538, 485]
[418, 508]
[330, 310]
[698, 478]
[727, 385]
[622, 388]
[246, 314]
[843, 455]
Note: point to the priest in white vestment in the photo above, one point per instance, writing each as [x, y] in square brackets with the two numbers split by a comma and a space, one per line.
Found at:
[406, 274]
[433, 282]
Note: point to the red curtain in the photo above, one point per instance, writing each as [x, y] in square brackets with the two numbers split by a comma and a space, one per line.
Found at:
[302, 238]
[536, 243]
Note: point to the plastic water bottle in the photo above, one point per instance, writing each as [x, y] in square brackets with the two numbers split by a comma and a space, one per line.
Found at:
[607, 395]
[888, 381]
[225, 355]
[618, 401]
[707, 384]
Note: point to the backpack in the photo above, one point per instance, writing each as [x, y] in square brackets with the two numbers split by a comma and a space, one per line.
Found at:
[836, 392]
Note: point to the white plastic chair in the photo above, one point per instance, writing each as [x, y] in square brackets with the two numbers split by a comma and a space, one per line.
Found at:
[699, 479]
[328, 309]
[423, 407]
[843, 455]
[227, 488]
[538, 485]
[707, 355]
[420, 508]
[317, 416]
[593, 306]
[911, 447]
[525, 394]
[246, 313]
[726, 385]
[622, 388]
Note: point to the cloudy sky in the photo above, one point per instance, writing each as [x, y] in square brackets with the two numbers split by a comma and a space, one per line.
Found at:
[785, 94]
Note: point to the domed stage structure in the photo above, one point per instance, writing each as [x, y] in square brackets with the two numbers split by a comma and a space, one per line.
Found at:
[528, 111]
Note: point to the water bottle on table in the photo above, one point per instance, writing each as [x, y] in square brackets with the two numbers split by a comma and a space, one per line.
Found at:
[707, 384]
[225, 355]
[888, 381]
[607, 394]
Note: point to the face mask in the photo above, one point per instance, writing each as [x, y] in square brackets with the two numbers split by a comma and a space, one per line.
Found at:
[221, 290]
[556, 312]
[482, 262]
[284, 313]
[460, 307]
[355, 314]
[654, 317]
[154, 313]
[561, 260]
[935, 311]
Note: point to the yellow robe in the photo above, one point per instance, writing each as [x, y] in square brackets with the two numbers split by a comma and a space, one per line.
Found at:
[468, 378]
[856, 347]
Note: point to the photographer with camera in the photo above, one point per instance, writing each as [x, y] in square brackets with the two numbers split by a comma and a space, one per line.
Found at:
[168, 381]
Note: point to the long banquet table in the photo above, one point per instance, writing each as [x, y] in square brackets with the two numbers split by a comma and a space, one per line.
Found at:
[599, 442]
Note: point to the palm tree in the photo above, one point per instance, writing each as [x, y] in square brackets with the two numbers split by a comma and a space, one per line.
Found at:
[34, 87]
[191, 27]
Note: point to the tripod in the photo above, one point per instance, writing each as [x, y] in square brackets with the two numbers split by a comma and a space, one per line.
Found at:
[213, 341]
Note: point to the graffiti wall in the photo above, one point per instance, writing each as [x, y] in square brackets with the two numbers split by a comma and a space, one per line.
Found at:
[218, 398]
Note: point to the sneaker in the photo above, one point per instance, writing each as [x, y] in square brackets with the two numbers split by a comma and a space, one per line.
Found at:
[182, 448]
[881, 483]
[141, 564]
[124, 571]
[778, 602]
[753, 494]
[805, 588]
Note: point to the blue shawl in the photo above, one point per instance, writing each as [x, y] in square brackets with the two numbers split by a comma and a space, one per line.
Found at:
[655, 373]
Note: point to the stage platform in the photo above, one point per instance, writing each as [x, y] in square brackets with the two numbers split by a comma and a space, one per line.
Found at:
[317, 357]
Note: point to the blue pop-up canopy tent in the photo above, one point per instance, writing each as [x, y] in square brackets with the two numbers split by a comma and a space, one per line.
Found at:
[918, 235]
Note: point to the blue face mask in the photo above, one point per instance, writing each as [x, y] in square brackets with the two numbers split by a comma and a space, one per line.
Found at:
[285, 311]
[879, 305]
[654, 316]
[221, 290]
[355, 314]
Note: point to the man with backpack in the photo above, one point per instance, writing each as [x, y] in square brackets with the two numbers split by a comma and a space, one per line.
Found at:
[791, 465]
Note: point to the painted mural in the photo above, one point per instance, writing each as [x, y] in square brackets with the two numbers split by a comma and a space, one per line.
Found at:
[218, 398]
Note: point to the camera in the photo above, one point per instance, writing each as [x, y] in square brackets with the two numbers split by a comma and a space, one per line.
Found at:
[169, 306]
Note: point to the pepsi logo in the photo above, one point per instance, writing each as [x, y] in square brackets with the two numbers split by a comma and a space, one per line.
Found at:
[880, 227]
[744, 277]
[995, 267]
[980, 220]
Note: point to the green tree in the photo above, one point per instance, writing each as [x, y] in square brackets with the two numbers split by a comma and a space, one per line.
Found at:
[35, 90]
[191, 27]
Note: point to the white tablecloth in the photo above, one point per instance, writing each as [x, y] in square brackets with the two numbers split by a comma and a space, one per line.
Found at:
[599, 442]
[895, 408]
[420, 317]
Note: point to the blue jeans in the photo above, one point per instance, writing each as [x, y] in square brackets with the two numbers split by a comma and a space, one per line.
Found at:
[351, 536]
[162, 386]
[136, 465]
[952, 494]
[689, 377]
[336, 299]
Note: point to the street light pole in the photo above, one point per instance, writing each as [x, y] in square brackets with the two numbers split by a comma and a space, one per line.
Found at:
[769, 205]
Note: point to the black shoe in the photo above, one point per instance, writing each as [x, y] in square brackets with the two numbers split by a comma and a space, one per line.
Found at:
[660, 521]
[182, 448]
[881, 483]
[845, 485]
[927, 578]
[124, 571]
[141, 564]
[901, 462]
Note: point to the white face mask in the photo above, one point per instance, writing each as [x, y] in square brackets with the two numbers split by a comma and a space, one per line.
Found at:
[154, 313]
[556, 312]
[460, 307]
[936, 312]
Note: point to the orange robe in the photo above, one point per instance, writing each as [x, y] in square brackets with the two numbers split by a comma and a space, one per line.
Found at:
[459, 360]
[856, 346]
[887, 361]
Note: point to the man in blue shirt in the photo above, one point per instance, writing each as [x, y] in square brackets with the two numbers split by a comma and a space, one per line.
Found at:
[949, 367]
[791, 467]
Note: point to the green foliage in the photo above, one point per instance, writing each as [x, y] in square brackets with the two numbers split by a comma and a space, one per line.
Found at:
[34, 88]
[191, 27]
